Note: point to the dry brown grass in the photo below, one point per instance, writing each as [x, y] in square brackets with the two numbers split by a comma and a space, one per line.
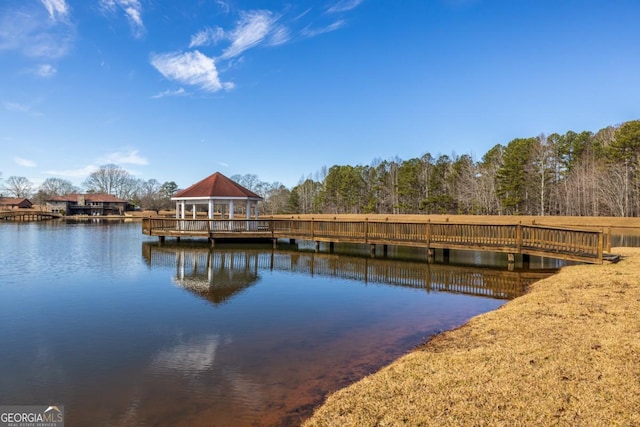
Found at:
[567, 353]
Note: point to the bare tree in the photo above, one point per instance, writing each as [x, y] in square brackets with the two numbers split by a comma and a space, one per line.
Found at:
[57, 187]
[111, 179]
[18, 186]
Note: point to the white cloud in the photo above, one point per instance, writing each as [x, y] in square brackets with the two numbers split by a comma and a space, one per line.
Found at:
[14, 106]
[312, 32]
[45, 70]
[177, 92]
[344, 6]
[32, 33]
[207, 36]
[74, 173]
[252, 28]
[132, 10]
[192, 68]
[24, 162]
[280, 35]
[223, 5]
[58, 9]
[131, 157]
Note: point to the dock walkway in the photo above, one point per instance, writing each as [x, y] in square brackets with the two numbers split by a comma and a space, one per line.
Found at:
[567, 243]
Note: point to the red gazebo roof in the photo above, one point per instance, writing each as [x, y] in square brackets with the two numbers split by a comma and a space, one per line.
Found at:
[216, 186]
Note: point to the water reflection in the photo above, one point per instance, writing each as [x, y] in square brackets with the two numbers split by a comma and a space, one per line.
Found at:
[189, 336]
[220, 274]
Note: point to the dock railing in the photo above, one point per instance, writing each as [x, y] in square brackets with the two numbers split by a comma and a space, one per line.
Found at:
[585, 245]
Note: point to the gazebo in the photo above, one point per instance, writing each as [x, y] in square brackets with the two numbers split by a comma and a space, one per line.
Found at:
[216, 190]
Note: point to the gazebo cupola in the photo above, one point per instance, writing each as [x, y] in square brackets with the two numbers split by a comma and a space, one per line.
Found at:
[217, 190]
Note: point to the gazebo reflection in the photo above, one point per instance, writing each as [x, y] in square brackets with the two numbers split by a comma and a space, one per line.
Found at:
[215, 275]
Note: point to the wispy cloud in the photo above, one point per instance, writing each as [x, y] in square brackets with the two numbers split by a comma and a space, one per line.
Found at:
[132, 9]
[206, 37]
[14, 106]
[73, 173]
[177, 92]
[132, 157]
[344, 6]
[24, 162]
[223, 5]
[58, 9]
[251, 29]
[312, 32]
[191, 68]
[45, 70]
[32, 33]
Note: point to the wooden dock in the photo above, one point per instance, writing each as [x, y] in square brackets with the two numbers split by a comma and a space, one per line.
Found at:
[583, 245]
[27, 215]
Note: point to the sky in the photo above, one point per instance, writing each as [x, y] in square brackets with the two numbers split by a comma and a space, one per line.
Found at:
[177, 90]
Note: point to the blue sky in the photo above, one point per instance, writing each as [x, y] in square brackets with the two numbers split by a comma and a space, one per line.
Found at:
[177, 90]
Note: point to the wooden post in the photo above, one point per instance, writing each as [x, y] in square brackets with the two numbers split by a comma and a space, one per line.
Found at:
[275, 245]
[366, 230]
[317, 246]
[519, 237]
[431, 254]
[511, 258]
[372, 250]
[330, 247]
[445, 256]
[526, 259]
[161, 239]
[600, 246]
[385, 250]
[608, 245]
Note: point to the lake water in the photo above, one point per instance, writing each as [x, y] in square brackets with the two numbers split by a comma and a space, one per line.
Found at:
[125, 332]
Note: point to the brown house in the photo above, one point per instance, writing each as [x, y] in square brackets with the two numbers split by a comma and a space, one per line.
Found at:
[87, 204]
[15, 203]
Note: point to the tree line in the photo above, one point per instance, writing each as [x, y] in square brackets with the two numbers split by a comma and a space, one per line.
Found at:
[578, 174]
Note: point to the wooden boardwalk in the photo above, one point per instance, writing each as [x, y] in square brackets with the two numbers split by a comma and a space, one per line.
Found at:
[24, 215]
[583, 245]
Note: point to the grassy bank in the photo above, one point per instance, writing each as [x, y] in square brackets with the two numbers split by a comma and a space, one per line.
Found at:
[566, 353]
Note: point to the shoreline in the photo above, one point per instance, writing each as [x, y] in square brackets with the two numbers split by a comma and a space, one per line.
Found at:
[567, 352]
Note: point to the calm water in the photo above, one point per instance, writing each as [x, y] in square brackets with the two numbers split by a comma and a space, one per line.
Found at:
[124, 332]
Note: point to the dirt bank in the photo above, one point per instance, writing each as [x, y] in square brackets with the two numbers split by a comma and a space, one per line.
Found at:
[566, 353]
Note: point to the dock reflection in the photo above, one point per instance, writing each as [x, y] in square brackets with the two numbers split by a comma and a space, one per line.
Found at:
[218, 274]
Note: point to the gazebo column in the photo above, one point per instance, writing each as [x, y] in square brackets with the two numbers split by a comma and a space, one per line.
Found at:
[211, 209]
[177, 210]
[182, 208]
[248, 209]
[230, 209]
[193, 210]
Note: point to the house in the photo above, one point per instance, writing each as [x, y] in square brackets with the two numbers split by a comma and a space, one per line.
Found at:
[15, 203]
[217, 190]
[87, 204]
